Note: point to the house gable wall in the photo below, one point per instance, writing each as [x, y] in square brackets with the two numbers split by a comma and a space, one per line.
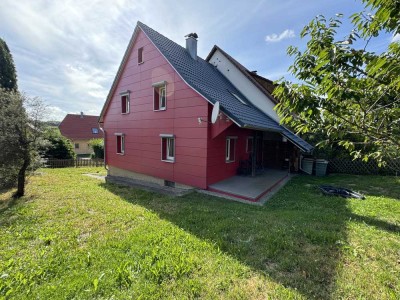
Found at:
[245, 86]
[142, 126]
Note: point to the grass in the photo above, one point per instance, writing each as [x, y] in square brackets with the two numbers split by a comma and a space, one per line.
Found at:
[74, 237]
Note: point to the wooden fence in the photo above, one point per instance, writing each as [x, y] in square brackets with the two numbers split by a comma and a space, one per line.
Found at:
[348, 166]
[68, 163]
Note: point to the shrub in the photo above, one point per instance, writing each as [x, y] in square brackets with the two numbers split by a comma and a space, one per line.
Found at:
[98, 148]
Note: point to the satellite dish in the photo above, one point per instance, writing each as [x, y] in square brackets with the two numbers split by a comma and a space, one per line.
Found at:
[215, 113]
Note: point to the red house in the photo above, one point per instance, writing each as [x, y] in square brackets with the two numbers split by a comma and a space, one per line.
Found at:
[158, 120]
[80, 129]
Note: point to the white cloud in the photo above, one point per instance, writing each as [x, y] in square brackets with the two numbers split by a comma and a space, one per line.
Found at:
[396, 38]
[273, 38]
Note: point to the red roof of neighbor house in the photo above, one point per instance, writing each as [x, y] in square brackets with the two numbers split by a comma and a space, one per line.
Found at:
[80, 127]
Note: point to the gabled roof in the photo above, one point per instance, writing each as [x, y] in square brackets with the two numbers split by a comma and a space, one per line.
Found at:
[208, 82]
[79, 127]
[265, 85]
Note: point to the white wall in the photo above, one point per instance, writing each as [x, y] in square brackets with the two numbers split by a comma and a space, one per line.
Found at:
[243, 84]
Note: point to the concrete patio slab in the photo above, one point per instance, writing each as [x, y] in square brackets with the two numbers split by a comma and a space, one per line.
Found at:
[251, 188]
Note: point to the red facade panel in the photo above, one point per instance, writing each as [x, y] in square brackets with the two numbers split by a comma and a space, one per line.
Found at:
[142, 126]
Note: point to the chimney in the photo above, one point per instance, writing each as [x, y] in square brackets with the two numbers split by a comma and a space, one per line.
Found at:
[81, 114]
[191, 44]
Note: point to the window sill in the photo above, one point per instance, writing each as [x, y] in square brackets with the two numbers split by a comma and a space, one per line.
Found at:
[120, 153]
[229, 161]
[141, 63]
[168, 161]
[127, 113]
[163, 109]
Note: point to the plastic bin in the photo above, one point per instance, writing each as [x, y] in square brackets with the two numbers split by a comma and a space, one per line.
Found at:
[320, 167]
[307, 165]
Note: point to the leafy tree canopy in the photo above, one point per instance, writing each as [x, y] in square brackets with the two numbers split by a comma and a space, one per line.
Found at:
[8, 75]
[345, 92]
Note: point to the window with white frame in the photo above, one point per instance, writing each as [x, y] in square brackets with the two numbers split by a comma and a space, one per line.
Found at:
[125, 102]
[120, 143]
[249, 144]
[160, 96]
[167, 147]
[76, 145]
[230, 149]
[140, 55]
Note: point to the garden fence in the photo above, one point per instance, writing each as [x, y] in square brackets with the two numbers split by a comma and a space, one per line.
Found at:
[359, 167]
[78, 162]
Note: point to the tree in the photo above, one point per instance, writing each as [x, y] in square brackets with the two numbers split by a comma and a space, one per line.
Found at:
[20, 136]
[8, 76]
[346, 92]
[57, 146]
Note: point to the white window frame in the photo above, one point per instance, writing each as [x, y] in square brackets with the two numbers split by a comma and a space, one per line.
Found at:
[160, 86]
[168, 157]
[140, 50]
[247, 144]
[128, 101]
[228, 141]
[122, 143]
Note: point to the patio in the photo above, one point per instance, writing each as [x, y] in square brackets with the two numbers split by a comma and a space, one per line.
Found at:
[250, 188]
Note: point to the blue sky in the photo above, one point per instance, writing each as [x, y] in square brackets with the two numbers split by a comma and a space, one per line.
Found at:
[67, 52]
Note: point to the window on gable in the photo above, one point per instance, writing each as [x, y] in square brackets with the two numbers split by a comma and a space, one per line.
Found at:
[167, 147]
[95, 130]
[230, 149]
[140, 55]
[125, 102]
[249, 144]
[76, 145]
[160, 96]
[120, 143]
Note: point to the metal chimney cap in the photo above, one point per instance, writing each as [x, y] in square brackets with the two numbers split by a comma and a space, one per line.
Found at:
[192, 35]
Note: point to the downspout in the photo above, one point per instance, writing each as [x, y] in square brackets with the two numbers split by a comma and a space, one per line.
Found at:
[104, 150]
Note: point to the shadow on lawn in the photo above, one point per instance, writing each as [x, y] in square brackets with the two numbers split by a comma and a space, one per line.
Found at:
[296, 238]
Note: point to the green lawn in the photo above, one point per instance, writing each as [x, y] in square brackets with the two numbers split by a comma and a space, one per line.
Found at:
[74, 237]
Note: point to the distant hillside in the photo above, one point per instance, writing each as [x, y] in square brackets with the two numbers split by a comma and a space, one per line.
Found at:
[52, 123]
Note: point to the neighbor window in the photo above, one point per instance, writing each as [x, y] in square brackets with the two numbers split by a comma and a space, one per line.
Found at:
[160, 96]
[167, 147]
[120, 143]
[249, 144]
[140, 55]
[95, 130]
[76, 145]
[125, 102]
[230, 148]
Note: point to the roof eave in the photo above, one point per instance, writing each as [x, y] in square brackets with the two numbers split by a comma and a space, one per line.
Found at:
[119, 72]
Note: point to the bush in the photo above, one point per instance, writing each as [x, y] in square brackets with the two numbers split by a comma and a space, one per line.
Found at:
[57, 146]
[98, 148]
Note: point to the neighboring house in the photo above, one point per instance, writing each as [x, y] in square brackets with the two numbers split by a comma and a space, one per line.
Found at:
[80, 129]
[157, 116]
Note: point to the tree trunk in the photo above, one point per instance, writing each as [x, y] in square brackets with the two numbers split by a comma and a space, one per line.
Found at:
[21, 177]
